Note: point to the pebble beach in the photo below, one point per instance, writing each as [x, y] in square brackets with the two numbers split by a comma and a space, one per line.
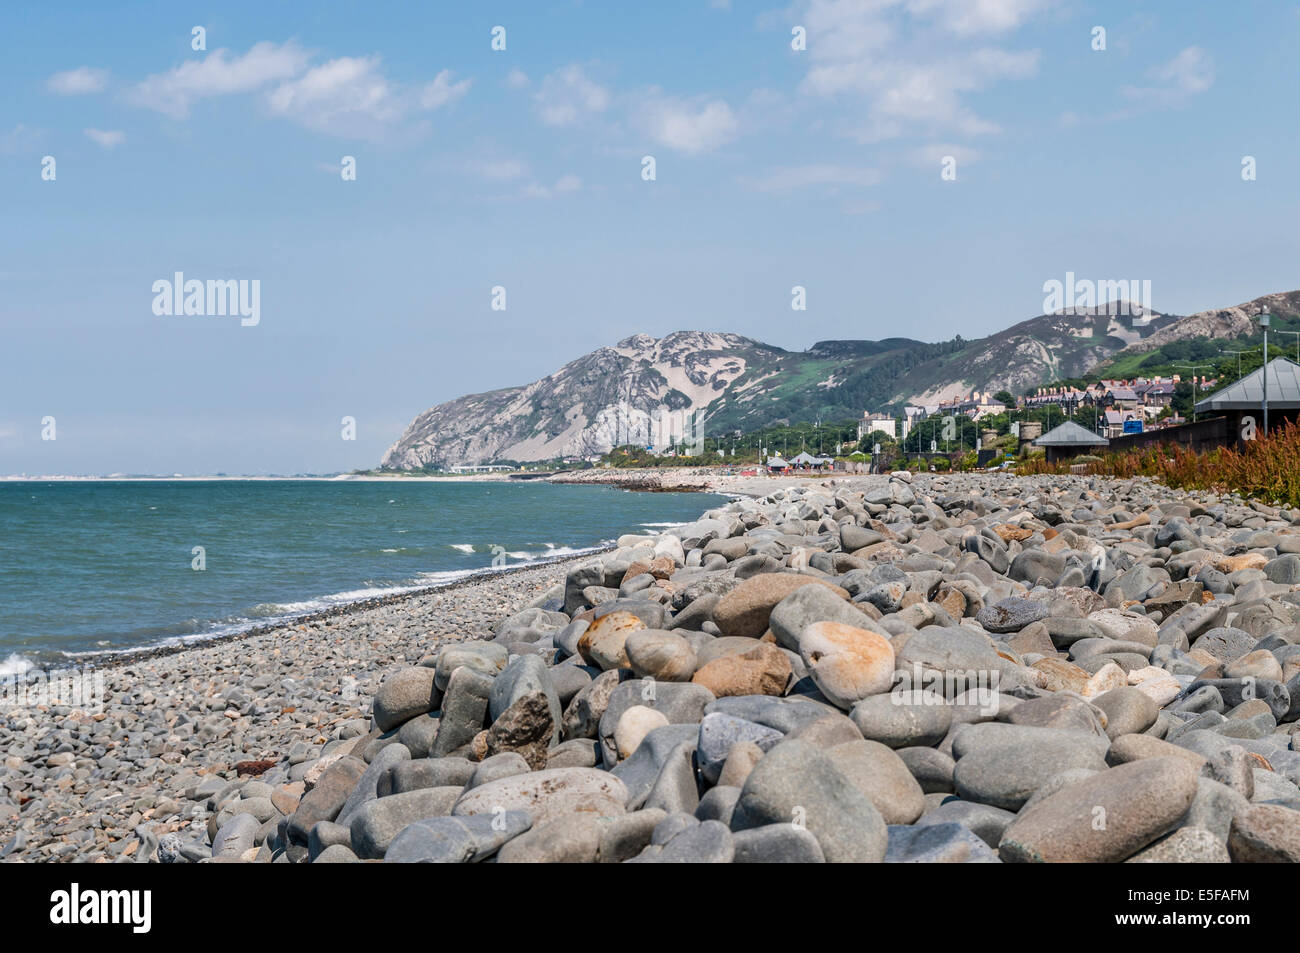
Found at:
[910, 668]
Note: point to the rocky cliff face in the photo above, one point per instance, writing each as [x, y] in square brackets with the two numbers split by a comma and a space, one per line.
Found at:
[643, 390]
[615, 395]
[1235, 322]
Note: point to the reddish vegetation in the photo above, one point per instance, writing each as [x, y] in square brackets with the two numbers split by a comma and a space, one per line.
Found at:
[1267, 468]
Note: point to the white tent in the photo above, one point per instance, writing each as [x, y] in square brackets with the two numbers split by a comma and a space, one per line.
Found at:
[806, 459]
[776, 463]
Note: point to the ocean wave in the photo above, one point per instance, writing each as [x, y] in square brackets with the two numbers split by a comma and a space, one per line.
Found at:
[463, 547]
[271, 614]
[15, 665]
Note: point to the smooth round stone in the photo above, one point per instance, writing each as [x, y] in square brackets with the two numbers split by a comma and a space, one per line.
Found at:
[987, 822]
[418, 734]
[549, 794]
[1225, 643]
[1187, 845]
[709, 842]
[931, 768]
[336, 854]
[811, 604]
[1128, 748]
[776, 844]
[827, 732]
[1003, 765]
[746, 609]
[1257, 664]
[633, 725]
[1266, 833]
[948, 649]
[937, 844]
[1128, 711]
[1105, 819]
[569, 839]
[1011, 615]
[403, 695]
[486, 658]
[575, 753]
[720, 733]
[376, 823]
[455, 840]
[847, 663]
[740, 762]
[1062, 711]
[718, 804]
[507, 764]
[923, 719]
[762, 669]
[603, 644]
[797, 784]
[711, 648]
[882, 776]
[653, 653]
[1125, 626]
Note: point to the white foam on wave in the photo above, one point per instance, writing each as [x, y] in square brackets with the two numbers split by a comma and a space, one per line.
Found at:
[15, 664]
[463, 547]
[271, 614]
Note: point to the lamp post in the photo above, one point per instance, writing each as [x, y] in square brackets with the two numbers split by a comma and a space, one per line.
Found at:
[1296, 334]
[1263, 323]
[1239, 353]
[1195, 368]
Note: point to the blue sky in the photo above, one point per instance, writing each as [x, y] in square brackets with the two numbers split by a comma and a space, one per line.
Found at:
[522, 168]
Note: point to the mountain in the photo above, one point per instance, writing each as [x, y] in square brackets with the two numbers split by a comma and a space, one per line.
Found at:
[644, 386]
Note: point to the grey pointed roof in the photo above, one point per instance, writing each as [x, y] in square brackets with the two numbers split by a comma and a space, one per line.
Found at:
[1070, 434]
[1248, 393]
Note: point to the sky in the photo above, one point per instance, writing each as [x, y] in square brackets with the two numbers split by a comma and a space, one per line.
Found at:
[920, 167]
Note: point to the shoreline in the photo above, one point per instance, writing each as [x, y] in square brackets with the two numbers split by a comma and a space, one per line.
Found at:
[198, 641]
[630, 480]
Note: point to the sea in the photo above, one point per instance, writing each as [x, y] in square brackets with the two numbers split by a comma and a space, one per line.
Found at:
[95, 567]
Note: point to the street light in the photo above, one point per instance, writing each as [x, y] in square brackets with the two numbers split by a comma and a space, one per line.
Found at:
[1263, 323]
[1297, 343]
[1239, 353]
[1196, 367]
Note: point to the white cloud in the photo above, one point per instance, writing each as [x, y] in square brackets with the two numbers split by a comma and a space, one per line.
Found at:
[79, 81]
[218, 74]
[832, 177]
[568, 183]
[347, 96]
[979, 16]
[567, 95]
[909, 62]
[517, 79]
[1187, 74]
[19, 139]
[689, 127]
[107, 138]
[442, 91]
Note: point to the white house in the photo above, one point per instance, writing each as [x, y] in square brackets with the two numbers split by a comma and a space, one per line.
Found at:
[870, 423]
